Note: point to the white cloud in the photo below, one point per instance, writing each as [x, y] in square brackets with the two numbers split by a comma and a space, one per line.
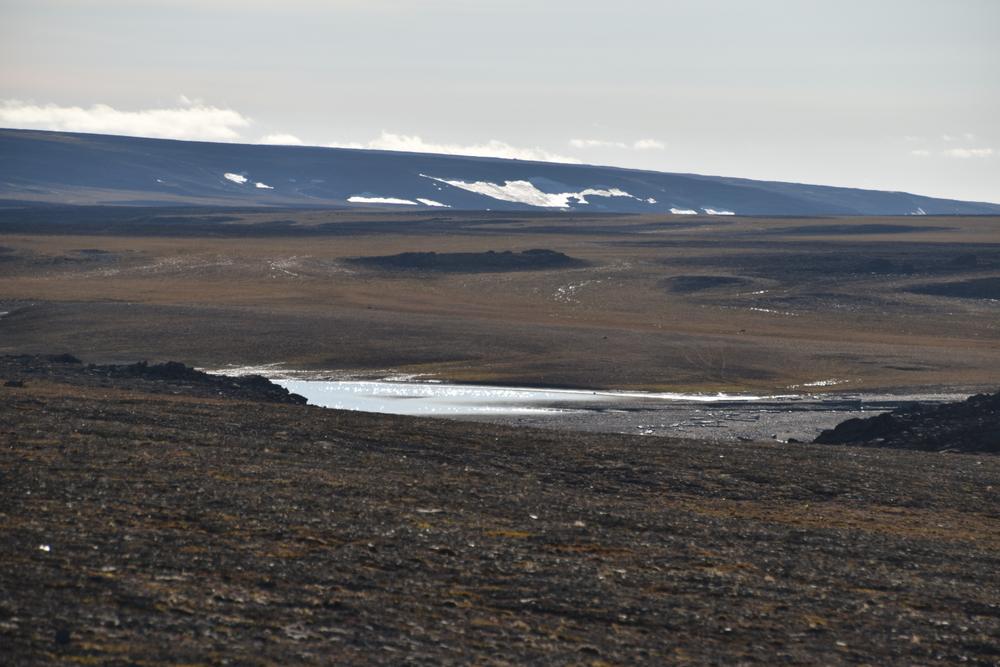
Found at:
[920, 152]
[596, 143]
[638, 145]
[192, 119]
[968, 136]
[648, 145]
[280, 140]
[198, 122]
[389, 141]
[969, 152]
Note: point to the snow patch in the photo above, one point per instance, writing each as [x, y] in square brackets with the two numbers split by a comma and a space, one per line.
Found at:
[650, 201]
[591, 192]
[262, 186]
[919, 211]
[712, 211]
[431, 202]
[240, 179]
[525, 192]
[380, 200]
[568, 293]
[683, 211]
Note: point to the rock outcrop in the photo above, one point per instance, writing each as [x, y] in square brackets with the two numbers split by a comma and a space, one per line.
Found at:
[972, 425]
[171, 377]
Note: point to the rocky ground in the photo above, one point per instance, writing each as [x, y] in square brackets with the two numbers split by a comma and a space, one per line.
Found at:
[791, 420]
[152, 515]
[972, 425]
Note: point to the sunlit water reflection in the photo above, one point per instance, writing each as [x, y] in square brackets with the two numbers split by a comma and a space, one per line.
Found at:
[416, 398]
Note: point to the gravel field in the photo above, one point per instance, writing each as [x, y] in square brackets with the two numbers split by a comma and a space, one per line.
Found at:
[155, 517]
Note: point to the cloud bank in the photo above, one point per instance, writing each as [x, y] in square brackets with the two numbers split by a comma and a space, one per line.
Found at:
[969, 152]
[196, 122]
[596, 143]
[648, 145]
[281, 139]
[960, 153]
[637, 145]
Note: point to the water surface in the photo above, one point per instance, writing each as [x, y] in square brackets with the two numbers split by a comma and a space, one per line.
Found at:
[424, 398]
[798, 416]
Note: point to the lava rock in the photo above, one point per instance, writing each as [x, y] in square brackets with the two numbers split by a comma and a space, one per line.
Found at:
[972, 425]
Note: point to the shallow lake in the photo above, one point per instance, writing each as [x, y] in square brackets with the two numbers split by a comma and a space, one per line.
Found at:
[424, 398]
[715, 416]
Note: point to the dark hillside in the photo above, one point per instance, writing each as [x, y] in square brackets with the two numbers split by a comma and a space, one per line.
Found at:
[68, 168]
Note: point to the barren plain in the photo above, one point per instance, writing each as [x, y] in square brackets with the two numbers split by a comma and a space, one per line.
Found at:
[654, 303]
[163, 518]
[159, 515]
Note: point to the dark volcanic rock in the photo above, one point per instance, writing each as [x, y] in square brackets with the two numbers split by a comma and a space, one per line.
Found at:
[64, 359]
[472, 262]
[978, 288]
[250, 387]
[171, 377]
[972, 425]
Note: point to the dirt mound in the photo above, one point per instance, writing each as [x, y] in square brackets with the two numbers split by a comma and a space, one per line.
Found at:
[972, 425]
[472, 262]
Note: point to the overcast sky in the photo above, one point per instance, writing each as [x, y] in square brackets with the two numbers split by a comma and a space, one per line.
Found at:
[888, 94]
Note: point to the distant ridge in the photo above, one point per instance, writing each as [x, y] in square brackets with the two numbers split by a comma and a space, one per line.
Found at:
[38, 167]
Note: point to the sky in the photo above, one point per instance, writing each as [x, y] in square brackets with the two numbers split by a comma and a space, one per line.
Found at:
[886, 94]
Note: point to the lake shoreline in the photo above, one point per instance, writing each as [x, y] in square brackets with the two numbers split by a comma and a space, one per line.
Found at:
[725, 417]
